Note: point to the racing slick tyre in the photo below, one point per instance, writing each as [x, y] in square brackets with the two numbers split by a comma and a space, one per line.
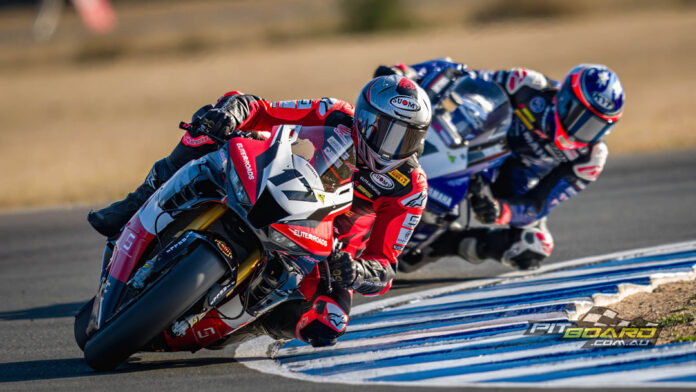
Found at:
[165, 301]
[81, 322]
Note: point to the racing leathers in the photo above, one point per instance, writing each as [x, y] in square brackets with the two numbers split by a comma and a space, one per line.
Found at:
[536, 177]
[384, 212]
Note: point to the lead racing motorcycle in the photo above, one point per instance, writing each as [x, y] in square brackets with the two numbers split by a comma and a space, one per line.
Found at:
[466, 141]
[191, 268]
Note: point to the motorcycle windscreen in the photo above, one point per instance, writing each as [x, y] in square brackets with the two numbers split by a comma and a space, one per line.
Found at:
[324, 161]
[474, 111]
[330, 153]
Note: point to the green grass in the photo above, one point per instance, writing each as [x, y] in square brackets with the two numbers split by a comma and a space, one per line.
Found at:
[681, 339]
[674, 319]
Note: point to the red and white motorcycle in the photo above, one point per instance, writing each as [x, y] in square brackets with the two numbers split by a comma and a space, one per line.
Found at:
[190, 267]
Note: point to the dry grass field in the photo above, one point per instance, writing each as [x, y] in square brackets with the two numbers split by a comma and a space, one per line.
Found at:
[88, 132]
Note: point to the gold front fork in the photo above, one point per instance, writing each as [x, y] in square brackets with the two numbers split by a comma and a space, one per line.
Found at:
[207, 218]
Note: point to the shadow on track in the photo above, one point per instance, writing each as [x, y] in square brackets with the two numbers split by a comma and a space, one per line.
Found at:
[50, 311]
[77, 367]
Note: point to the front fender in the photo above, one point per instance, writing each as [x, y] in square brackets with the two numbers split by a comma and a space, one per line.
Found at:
[114, 294]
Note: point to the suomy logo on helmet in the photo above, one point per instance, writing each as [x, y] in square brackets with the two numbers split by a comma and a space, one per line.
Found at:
[405, 103]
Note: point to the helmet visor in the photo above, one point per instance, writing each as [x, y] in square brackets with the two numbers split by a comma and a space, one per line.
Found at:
[578, 120]
[390, 138]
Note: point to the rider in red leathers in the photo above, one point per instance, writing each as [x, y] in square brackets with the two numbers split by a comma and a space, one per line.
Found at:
[392, 115]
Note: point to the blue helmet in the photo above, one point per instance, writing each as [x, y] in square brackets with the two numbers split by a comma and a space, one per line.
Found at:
[588, 105]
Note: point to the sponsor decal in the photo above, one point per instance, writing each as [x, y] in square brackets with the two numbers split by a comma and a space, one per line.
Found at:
[528, 114]
[417, 200]
[312, 171]
[178, 243]
[404, 236]
[331, 154]
[526, 122]
[224, 292]
[334, 143]
[299, 104]
[537, 104]
[196, 141]
[602, 327]
[309, 236]
[398, 247]
[245, 161]
[603, 102]
[533, 144]
[404, 102]
[382, 181]
[224, 248]
[439, 196]
[321, 197]
[210, 331]
[128, 242]
[400, 178]
[364, 191]
[411, 221]
[370, 185]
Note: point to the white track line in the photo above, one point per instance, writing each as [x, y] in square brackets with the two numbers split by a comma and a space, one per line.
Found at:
[255, 353]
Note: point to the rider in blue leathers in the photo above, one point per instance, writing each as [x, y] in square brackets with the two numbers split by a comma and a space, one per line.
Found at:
[557, 148]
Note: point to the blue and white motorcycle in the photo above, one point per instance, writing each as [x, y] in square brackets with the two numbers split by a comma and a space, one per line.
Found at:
[467, 138]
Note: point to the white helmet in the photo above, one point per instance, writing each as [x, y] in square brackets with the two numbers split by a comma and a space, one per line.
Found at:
[392, 116]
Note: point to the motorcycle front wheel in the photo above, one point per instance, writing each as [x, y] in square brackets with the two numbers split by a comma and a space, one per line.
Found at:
[163, 302]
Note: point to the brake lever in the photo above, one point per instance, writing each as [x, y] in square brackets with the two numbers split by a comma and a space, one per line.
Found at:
[192, 128]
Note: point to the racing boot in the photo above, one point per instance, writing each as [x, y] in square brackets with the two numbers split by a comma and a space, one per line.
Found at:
[110, 220]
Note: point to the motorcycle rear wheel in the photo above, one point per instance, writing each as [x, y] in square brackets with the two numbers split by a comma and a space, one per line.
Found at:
[164, 302]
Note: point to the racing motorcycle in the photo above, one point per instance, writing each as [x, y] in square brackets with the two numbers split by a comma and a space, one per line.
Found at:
[225, 240]
[465, 143]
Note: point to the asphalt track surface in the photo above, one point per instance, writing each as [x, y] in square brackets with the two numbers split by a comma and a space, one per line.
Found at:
[49, 263]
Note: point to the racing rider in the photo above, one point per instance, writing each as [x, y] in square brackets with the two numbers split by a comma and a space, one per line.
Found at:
[557, 142]
[392, 115]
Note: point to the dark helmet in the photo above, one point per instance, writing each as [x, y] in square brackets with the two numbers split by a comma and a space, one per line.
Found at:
[588, 105]
[392, 115]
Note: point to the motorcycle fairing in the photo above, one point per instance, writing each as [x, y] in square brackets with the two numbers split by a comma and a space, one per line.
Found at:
[306, 186]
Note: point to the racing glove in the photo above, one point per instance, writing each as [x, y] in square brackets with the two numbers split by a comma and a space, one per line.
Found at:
[363, 276]
[217, 122]
[489, 210]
